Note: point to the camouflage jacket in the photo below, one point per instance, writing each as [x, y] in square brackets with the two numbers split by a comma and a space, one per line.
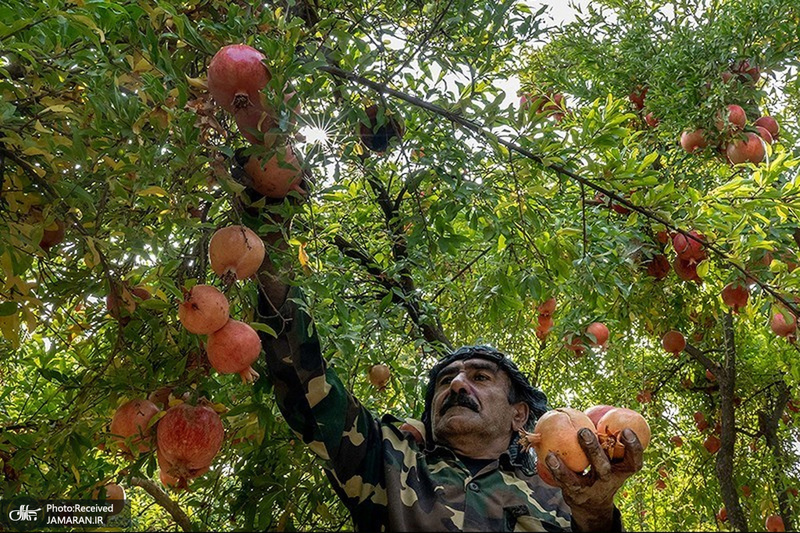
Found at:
[381, 468]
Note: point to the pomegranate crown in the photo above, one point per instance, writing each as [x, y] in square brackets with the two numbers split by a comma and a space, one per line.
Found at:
[521, 389]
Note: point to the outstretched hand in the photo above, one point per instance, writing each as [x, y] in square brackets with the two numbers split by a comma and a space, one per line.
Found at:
[591, 496]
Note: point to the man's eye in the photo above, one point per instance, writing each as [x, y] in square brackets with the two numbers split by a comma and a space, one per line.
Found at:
[445, 381]
[481, 377]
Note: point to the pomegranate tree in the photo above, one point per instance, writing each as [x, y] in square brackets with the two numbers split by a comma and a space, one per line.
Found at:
[235, 252]
[276, 176]
[188, 438]
[557, 432]
[735, 295]
[131, 422]
[236, 76]
[233, 348]
[379, 376]
[673, 342]
[204, 310]
[611, 425]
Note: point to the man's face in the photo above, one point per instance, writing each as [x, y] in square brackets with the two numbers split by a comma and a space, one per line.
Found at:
[471, 397]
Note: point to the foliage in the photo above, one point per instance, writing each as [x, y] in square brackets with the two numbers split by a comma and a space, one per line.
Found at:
[106, 126]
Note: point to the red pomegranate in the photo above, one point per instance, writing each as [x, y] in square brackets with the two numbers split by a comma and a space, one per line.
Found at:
[236, 76]
[686, 271]
[258, 124]
[637, 96]
[277, 176]
[596, 412]
[677, 441]
[781, 327]
[378, 139]
[611, 425]
[174, 477]
[775, 523]
[746, 72]
[235, 252]
[233, 348]
[658, 267]
[710, 376]
[52, 235]
[693, 141]
[160, 397]
[746, 491]
[644, 396]
[599, 331]
[545, 325]
[736, 119]
[379, 375]
[548, 307]
[712, 444]
[557, 431]
[764, 134]
[204, 310]
[689, 248]
[651, 120]
[749, 150]
[575, 343]
[673, 342]
[700, 421]
[189, 438]
[722, 515]
[769, 124]
[131, 421]
[735, 295]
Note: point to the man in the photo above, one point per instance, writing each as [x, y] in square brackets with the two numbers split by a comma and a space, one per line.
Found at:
[460, 469]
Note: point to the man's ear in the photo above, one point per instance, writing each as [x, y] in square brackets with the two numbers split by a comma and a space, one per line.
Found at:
[520, 417]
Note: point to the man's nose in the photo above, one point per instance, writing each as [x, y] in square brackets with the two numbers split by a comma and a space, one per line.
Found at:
[460, 383]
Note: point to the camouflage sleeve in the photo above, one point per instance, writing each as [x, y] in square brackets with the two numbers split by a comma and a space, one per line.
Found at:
[318, 407]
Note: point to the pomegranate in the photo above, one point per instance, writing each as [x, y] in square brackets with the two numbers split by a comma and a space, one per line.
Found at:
[686, 271]
[712, 444]
[545, 325]
[743, 151]
[658, 267]
[235, 252]
[775, 523]
[596, 412]
[735, 295]
[258, 124]
[660, 484]
[236, 76]
[174, 477]
[644, 396]
[575, 343]
[689, 248]
[548, 307]
[677, 441]
[700, 421]
[722, 515]
[746, 491]
[747, 73]
[735, 120]
[277, 176]
[673, 342]
[189, 438]
[233, 348]
[637, 96]
[168, 480]
[379, 376]
[693, 141]
[764, 134]
[160, 397]
[130, 422]
[769, 124]
[557, 431]
[782, 328]
[378, 139]
[599, 332]
[204, 310]
[110, 491]
[651, 120]
[52, 235]
[710, 376]
[611, 425]
[143, 293]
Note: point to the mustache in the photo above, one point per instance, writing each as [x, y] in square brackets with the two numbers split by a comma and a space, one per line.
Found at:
[460, 399]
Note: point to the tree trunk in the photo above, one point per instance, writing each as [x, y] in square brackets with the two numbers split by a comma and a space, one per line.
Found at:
[726, 377]
[769, 427]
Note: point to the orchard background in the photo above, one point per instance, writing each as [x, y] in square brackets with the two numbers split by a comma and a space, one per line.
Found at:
[454, 235]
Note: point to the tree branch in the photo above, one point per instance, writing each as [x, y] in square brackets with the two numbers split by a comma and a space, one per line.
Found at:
[164, 501]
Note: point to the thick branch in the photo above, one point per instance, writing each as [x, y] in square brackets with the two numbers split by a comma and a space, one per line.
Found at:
[164, 501]
[480, 130]
[703, 359]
